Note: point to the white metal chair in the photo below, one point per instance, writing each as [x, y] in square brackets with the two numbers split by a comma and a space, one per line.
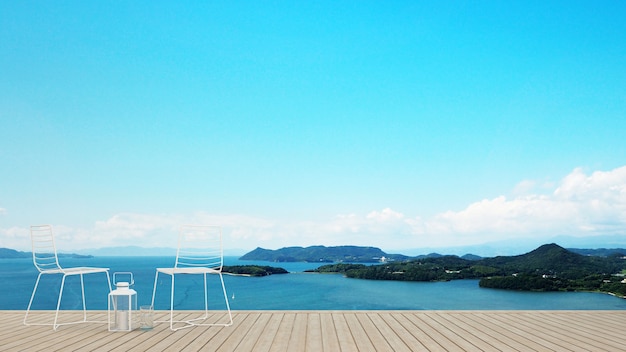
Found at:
[46, 261]
[199, 253]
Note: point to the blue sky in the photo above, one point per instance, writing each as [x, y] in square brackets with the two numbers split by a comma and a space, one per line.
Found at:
[400, 125]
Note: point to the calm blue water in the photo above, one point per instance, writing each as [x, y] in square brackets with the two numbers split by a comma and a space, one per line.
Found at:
[294, 291]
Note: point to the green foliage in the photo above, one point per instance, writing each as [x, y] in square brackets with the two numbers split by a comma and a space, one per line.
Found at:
[521, 282]
[429, 269]
[600, 252]
[554, 260]
[526, 282]
[483, 270]
[614, 287]
[338, 268]
[253, 270]
[548, 268]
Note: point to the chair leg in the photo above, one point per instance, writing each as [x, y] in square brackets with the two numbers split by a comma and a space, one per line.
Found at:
[172, 305]
[206, 299]
[230, 316]
[109, 281]
[56, 315]
[156, 278]
[32, 297]
[82, 291]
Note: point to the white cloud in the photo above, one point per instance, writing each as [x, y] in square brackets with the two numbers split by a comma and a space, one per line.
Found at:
[14, 237]
[3, 211]
[386, 215]
[525, 187]
[160, 230]
[578, 205]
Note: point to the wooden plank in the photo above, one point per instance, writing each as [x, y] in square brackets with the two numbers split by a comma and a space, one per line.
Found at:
[394, 342]
[481, 336]
[281, 339]
[330, 341]
[423, 322]
[344, 335]
[252, 334]
[297, 339]
[612, 317]
[609, 321]
[239, 333]
[592, 331]
[472, 334]
[193, 336]
[455, 337]
[405, 337]
[314, 337]
[559, 341]
[110, 341]
[413, 323]
[360, 336]
[336, 331]
[68, 335]
[100, 340]
[511, 336]
[72, 337]
[180, 340]
[213, 337]
[569, 338]
[266, 338]
[140, 340]
[372, 331]
[24, 336]
[508, 321]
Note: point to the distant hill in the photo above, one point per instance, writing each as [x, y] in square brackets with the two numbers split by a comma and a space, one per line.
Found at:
[7, 253]
[322, 254]
[600, 252]
[548, 259]
[556, 259]
[131, 251]
[353, 254]
[471, 257]
[550, 267]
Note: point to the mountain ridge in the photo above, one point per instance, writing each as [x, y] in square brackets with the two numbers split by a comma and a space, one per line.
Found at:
[321, 254]
[549, 267]
[368, 254]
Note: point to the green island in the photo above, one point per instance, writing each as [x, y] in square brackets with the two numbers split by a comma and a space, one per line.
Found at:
[321, 254]
[547, 268]
[252, 270]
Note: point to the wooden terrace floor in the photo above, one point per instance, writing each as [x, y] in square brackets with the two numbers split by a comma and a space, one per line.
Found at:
[334, 331]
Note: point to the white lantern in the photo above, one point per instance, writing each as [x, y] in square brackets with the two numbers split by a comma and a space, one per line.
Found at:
[122, 305]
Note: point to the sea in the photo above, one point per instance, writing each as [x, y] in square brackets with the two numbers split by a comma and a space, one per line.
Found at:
[297, 290]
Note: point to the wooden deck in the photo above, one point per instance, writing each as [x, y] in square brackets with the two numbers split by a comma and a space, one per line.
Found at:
[335, 331]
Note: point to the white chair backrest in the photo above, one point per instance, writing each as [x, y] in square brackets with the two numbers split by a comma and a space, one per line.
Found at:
[200, 246]
[44, 250]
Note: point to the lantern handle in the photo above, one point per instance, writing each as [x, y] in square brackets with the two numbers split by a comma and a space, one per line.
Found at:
[130, 282]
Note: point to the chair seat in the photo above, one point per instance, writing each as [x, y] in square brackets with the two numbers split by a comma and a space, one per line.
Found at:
[188, 270]
[76, 270]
